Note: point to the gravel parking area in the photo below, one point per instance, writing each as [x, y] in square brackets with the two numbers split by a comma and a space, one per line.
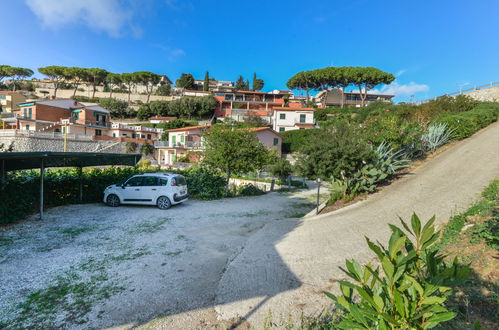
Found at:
[92, 266]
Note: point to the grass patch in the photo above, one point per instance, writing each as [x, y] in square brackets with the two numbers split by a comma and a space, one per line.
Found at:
[66, 301]
[149, 227]
[172, 254]
[298, 215]
[478, 299]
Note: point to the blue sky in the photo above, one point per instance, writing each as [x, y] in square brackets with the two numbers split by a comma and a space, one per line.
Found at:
[433, 47]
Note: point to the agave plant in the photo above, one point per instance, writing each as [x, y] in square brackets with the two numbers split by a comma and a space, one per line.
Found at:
[407, 290]
[395, 160]
[436, 136]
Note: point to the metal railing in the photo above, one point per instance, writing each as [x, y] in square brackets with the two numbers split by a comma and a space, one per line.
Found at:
[463, 91]
[36, 134]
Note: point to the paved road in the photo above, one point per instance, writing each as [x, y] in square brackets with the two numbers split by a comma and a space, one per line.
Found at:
[285, 272]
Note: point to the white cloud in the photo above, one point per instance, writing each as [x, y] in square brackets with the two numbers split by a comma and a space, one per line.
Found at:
[401, 90]
[99, 15]
[401, 72]
[173, 53]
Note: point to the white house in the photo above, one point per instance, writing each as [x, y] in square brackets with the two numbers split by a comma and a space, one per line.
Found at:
[290, 118]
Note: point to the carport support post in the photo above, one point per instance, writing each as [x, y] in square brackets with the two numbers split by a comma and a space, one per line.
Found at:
[80, 174]
[42, 174]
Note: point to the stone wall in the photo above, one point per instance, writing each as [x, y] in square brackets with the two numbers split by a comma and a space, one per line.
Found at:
[490, 94]
[68, 93]
[27, 144]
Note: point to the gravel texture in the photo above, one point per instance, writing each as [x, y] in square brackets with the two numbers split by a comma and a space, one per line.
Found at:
[100, 267]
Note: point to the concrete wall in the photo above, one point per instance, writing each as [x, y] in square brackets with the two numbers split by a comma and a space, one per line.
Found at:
[68, 93]
[490, 94]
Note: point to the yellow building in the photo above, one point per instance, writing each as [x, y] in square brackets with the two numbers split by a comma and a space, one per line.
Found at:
[9, 101]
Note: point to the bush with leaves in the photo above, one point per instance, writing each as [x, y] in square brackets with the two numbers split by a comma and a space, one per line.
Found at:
[333, 152]
[409, 288]
[147, 149]
[131, 147]
[281, 169]
[249, 190]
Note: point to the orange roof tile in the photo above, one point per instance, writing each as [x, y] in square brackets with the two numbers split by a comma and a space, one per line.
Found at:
[188, 128]
[293, 109]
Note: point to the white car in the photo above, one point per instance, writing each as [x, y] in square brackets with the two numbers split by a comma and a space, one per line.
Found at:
[161, 189]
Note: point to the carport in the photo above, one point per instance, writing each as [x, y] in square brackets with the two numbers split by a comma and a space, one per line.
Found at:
[13, 161]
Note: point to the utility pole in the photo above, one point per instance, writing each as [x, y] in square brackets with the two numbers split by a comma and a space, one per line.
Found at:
[318, 194]
[65, 137]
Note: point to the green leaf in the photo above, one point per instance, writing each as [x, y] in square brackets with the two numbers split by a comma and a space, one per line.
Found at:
[442, 317]
[376, 249]
[416, 285]
[396, 246]
[477, 326]
[358, 315]
[433, 300]
[406, 226]
[416, 224]
[399, 303]
[378, 302]
[387, 268]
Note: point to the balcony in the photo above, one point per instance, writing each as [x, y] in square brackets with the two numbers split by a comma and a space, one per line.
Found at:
[181, 145]
[89, 123]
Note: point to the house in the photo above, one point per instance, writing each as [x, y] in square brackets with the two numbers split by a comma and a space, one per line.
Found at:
[338, 98]
[291, 118]
[187, 144]
[269, 138]
[240, 104]
[215, 85]
[160, 120]
[182, 142]
[124, 131]
[9, 101]
[72, 117]
[60, 115]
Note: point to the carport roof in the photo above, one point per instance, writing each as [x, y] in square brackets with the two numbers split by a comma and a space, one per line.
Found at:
[11, 161]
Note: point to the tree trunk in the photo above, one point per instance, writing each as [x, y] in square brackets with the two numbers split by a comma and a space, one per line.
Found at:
[74, 92]
[55, 91]
[362, 95]
[148, 97]
[93, 92]
[14, 83]
[110, 92]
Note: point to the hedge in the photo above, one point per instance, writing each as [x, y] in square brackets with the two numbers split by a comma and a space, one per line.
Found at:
[293, 140]
[20, 194]
[467, 123]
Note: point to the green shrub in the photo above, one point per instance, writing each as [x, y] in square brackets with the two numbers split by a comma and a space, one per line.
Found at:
[334, 152]
[204, 184]
[131, 147]
[281, 168]
[467, 123]
[293, 141]
[147, 149]
[249, 190]
[407, 291]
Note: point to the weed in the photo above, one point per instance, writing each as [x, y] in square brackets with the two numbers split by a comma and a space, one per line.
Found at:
[149, 227]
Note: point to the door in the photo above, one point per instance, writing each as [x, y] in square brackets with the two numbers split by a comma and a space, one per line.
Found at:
[149, 190]
[132, 191]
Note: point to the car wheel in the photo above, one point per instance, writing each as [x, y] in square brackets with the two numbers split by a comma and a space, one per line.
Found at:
[164, 203]
[113, 200]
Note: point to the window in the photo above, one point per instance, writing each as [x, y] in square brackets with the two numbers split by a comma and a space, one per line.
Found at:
[282, 116]
[174, 140]
[180, 180]
[150, 181]
[148, 136]
[276, 141]
[30, 113]
[133, 136]
[302, 118]
[98, 132]
[281, 129]
[182, 138]
[135, 181]
[27, 127]
[114, 134]
[163, 182]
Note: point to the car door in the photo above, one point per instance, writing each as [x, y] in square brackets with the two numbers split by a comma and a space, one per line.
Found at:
[131, 192]
[150, 189]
